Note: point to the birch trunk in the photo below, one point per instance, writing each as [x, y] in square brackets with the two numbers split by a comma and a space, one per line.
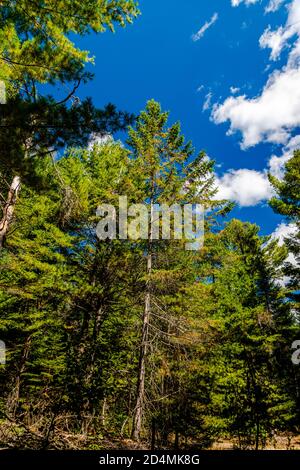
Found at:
[9, 209]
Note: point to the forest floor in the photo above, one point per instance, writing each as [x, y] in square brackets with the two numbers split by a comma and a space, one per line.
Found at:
[16, 436]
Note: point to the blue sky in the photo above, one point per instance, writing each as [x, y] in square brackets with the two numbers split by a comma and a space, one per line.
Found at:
[156, 57]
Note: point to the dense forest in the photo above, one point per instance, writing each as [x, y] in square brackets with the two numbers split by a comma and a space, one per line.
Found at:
[128, 342]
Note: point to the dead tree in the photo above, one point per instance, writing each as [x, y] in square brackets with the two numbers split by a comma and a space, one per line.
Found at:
[9, 209]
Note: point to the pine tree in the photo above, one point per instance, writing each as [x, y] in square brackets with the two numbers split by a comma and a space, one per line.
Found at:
[36, 49]
[163, 174]
[249, 398]
[35, 39]
[287, 203]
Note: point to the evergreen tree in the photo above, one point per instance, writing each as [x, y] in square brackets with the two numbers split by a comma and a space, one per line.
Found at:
[163, 174]
[35, 39]
[249, 397]
[287, 203]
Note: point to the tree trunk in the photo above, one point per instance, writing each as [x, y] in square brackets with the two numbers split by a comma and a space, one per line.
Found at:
[139, 408]
[14, 398]
[103, 413]
[153, 434]
[9, 209]
[176, 443]
[257, 434]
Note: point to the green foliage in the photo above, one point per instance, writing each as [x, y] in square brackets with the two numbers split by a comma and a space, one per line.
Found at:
[288, 190]
[218, 359]
[287, 203]
[36, 49]
[220, 326]
[255, 328]
[35, 37]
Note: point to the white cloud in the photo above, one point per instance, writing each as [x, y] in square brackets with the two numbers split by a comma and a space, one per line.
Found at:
[205, 27]
[268, 118]
[99, 139]
[277, 164]
[200, 88]
[275, 112]
[250, 187]
[273, 5]
[271, 116]
[279, 39]
[207, 102]
[283, 231]
[274, 40]
[294, 144]
[234, 90]
[236, 3]
[246, 187]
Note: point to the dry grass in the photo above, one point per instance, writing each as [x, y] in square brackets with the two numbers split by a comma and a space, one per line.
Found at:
[17, 436]
[279, 442]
